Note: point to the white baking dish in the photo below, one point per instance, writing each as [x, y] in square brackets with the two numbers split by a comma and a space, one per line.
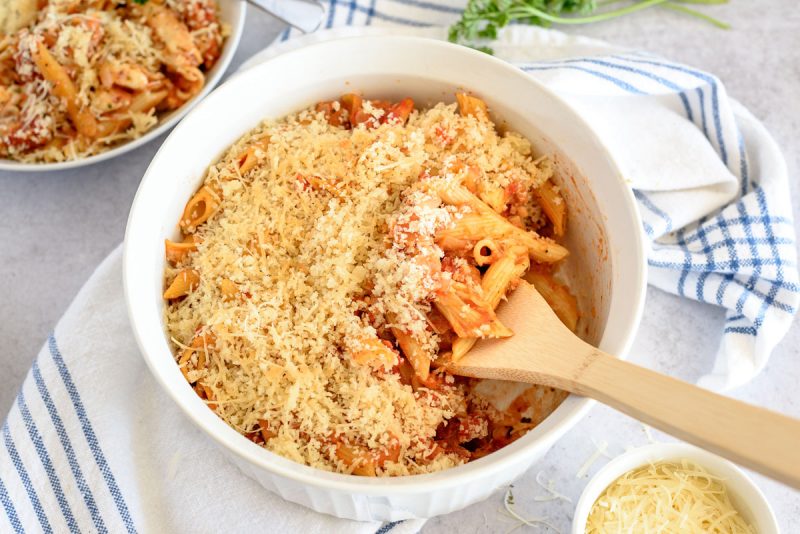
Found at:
[606, 265]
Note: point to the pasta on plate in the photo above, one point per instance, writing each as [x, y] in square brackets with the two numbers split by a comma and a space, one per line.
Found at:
[335, 262]
[78, 77]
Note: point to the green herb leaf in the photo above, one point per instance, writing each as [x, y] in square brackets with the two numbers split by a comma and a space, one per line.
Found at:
[481, 19]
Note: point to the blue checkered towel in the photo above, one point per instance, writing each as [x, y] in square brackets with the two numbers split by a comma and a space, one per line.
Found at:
[90, 443]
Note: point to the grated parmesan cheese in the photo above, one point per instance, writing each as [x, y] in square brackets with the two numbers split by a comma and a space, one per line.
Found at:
[667, 497]
[323, 218]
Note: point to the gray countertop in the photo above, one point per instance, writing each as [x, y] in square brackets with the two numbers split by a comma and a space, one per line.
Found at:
[55, 228]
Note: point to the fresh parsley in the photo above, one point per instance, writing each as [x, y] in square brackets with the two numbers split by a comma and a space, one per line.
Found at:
[140, 2]
[482, 18]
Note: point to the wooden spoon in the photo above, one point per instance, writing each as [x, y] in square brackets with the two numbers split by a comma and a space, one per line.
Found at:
[544, 351]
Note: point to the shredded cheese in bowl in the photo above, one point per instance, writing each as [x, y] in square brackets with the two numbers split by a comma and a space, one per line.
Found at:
[668, 496]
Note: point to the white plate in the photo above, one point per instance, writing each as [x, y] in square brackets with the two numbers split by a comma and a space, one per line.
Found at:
[232, 13]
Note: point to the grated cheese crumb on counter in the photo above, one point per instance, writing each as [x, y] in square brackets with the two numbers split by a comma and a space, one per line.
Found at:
[316, 238]
[536, 522]
[600, 451]
[667, 497]
[550, 488]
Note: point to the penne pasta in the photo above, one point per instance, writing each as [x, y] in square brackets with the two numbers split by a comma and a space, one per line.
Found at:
[486, 251]
[200, 208]
[177, 252]
[200, 346]
[207, 394]
[365, 462]
[501, 274]
[495, 284]
[229, 289]
[484, 220]
[493, 195]
[475, 226]
[144, 101]
[557, 296]
[183, 283]
[121, 74]
[110, 101]
[356, 459]
[468, 313]
[180, 49]
[438, 322]
[472, 106]
[354, 105]
[399, 113]
[248, 160]
[553, 206]
[458, 195]
[64, 88]
[412, 349]
[375, 352]
[334, 112]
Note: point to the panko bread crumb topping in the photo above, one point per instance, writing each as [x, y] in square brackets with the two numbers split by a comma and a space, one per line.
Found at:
[332, 264]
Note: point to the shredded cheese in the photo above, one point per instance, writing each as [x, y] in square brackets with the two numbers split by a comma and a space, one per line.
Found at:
[667, 497]
[510, 511]
[600, 451]
[550, 488]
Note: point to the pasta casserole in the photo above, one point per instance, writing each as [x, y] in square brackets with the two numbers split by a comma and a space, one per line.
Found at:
[335, 262]
[78, 77]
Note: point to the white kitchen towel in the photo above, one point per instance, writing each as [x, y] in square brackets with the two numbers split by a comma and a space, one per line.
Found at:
[92, 443]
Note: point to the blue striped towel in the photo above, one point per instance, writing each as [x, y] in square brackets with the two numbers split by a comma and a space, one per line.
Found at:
[92, 444]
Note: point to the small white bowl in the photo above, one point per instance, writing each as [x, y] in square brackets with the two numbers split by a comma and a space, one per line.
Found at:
[745, 495]
[606, 265]
[231, 13]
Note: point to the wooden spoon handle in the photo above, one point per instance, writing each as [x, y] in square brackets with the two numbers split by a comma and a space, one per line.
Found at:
[762, 440]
